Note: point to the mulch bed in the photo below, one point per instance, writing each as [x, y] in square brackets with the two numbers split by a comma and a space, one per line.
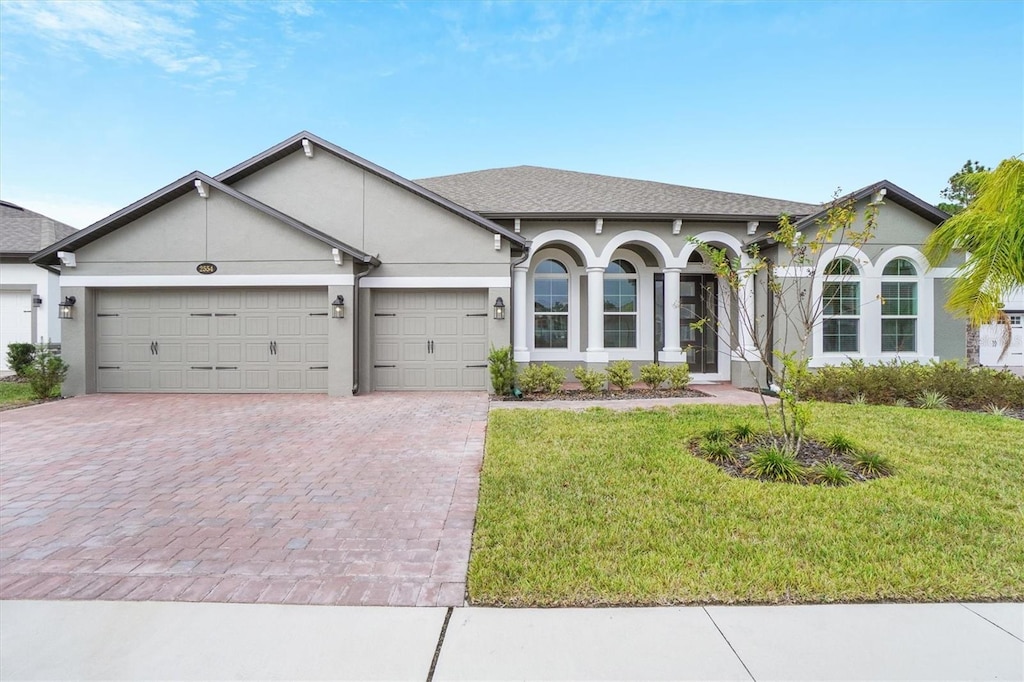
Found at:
[812, 453]
[628, 394]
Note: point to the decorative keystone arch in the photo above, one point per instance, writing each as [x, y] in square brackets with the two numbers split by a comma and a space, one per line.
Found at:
[661, 249]
[553, 237]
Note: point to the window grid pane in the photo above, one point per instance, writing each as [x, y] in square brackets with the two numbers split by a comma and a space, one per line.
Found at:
[550, 331]
[899, 335]
[620, 295]
[840, 335]
[841, 298]
[899, 298]
[901, 267]
[619, 331]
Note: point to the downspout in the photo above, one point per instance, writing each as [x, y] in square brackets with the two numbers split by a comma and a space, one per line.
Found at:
[355, 326]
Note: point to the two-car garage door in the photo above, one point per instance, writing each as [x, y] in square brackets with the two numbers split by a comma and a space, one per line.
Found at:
[212, 340]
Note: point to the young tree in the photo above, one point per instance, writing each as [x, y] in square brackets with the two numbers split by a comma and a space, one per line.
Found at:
[962, 188]
[798, 307]
[991, 230]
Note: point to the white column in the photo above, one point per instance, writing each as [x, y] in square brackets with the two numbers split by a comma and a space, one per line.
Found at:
[595, 315]
[672, 351]
[519, 320]
[747, 318]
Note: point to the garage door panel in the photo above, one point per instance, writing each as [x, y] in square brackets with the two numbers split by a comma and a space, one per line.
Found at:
[316, 379]
[386, 378]
[257, 379]
[170, 352]
[138, 352]
[414, 377]
[139, 326]
[228, 300]
[227, 353]
[446, 300]
[414, 351]
[446, 377]
[385, 326]
[258, 300]
[228, 380]
[257, 325]
[197, 326]
[109, 380]
[414, 325]
[197, 353]
[474, 352]
[289, 351]
[413, 300]
[257, 353]
[446, 351]
[316, 325]
[316, 353]
[447, 325]
[139, 379]
[474, 326]
[109, 326]
[227, 326]
[473, 300]
[170, 301]
[169, 326]
[289, 379]
[109, 353]
[170, 379]
[474, 377]
[288, 325]
[198, 379]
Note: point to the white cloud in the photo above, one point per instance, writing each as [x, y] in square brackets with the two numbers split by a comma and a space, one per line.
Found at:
[156, 32]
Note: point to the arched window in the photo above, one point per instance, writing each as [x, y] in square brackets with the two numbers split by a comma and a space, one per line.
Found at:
[899, 306]
[550, 305]
[620, 305]
[840, 307]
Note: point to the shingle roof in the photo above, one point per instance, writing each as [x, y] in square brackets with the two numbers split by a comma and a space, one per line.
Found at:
[24, 232]
[526, 190]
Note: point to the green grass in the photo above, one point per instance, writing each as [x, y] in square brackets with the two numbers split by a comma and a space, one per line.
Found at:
[12, 394]
[603, 507]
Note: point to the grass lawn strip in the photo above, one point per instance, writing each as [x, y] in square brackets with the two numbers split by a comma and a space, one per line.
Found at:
[14, 394]
[602, 507]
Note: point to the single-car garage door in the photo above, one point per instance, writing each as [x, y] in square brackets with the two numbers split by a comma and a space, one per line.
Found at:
[430, 340]
[15, 321]
[212, 340]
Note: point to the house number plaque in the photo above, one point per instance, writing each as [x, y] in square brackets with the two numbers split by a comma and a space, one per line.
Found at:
[206, 268]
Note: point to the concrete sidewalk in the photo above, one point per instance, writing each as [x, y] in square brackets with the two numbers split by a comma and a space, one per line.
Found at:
[158, 640]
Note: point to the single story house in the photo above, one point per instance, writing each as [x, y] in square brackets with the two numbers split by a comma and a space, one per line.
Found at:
[308, 268]
[28, 294]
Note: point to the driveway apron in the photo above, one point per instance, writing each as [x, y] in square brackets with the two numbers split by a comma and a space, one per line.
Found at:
[229, 498]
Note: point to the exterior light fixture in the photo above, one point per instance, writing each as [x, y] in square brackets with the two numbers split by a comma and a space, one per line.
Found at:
[66, 309]
[499, 309]
[37, 301]
[338, 308]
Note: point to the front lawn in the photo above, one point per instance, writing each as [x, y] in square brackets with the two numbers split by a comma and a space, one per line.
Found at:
[13, 394]
[603, 507]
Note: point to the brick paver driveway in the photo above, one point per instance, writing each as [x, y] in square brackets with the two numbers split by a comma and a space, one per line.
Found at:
[270, 498]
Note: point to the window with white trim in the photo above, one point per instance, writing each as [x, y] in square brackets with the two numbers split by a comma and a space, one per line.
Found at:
[899, 307]
[840, 307]
[550, 305]
[620, 305]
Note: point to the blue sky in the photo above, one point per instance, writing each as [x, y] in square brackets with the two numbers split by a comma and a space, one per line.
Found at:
[102, 102]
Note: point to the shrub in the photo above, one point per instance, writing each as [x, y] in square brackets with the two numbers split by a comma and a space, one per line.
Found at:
[859, 399]
[871, 464]
[620, 374]
[503, 369]
[716, 433]
[932, 400]
[678, 377]
[654, 375]
[840, 444]
[775, 463]
[46, 373]
[717, 450]
[19, 357]
[830, 474]
[997, 410]
[591, 380]
[542, 378]
[896, 383]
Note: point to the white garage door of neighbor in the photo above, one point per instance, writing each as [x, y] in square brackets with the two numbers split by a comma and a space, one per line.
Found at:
[992, 343]
[430, 340]
[212, 341]
[15, 321]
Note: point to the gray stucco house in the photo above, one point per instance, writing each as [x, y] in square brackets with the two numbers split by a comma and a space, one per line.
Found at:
[227, 283]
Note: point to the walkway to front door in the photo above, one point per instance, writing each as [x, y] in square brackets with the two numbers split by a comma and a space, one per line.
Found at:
[292, 499]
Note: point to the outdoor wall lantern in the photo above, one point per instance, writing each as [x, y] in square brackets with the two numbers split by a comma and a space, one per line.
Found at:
[338, 308]
[66, 310]
[37, 301]
[499, 309]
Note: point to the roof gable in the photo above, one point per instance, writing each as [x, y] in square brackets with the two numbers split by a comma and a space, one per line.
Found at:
[23, 232]
[893, 192]
[533, 190]
[175, 190]
[294, 143]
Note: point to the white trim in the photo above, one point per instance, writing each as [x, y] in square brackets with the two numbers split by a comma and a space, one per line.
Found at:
[435, 283]
[573, 274]
[793, 271]
[205, 281]
[659, 248]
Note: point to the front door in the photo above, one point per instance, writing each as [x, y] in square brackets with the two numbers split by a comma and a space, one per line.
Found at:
[698, 322]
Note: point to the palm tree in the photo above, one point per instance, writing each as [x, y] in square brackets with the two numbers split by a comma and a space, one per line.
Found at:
[991, 230]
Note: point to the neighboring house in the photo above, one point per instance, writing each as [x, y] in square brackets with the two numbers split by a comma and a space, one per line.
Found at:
[227, 283]
[992, 350]
[28, 294]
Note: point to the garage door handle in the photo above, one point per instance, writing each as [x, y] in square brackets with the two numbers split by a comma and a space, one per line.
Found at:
[152, 347]
[194, 367]
[273, 347]
[379, 366]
